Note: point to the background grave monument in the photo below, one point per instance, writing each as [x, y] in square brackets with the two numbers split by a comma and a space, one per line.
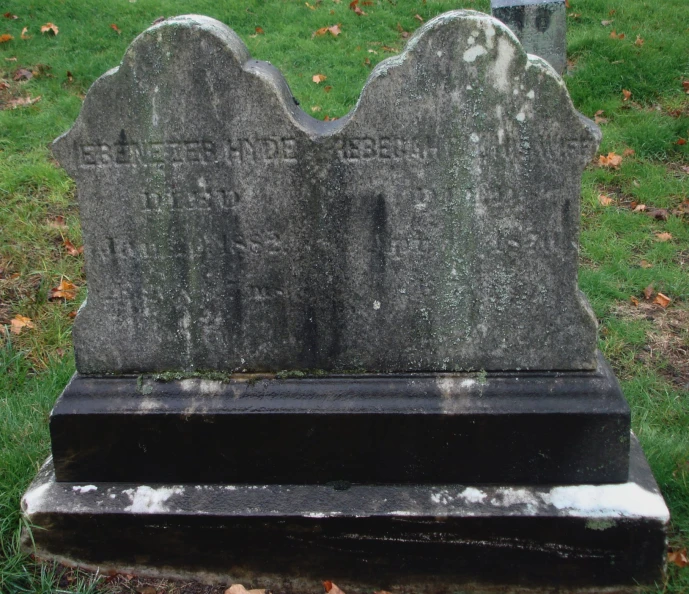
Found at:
[350, 349]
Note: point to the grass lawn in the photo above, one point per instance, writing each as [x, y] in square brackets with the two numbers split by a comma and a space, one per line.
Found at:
[635, 233]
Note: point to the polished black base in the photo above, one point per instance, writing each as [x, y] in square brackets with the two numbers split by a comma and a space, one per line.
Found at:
[504, 428]
[419, 538]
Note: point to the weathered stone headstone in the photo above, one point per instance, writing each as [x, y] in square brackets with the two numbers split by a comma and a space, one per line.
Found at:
[540, 25]
[280, 308]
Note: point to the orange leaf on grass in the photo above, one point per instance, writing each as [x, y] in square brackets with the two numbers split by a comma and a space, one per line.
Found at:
[116, 29]
[679, 558]
[65, 290]
[663, 236]
[626, 95]
[50, 28]
[662, 300]
[610, 160]
[25, 34]
[18, 323]
[72, 250]
[605, 200]
[5, 38]
[318, 78]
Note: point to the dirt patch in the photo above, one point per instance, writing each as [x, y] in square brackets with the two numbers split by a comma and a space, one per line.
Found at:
[667, 344]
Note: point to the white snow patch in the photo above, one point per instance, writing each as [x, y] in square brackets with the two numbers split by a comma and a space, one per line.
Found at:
[628, 500]
[32, 500]
[439, 54]
[467, 383]
[531, 94]
[501, 66]
[147, 500]
[507, 497]
[84, 489]
[473, 495]
[474, 52]
[520, 117]
[376, 305]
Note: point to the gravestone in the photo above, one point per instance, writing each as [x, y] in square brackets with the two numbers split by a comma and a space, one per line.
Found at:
[351, 350]
[540, 26]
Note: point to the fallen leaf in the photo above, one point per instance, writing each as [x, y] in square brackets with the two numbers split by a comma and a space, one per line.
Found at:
[116, 29]
[71, 249]
[662, 300]
[639, 41]
[5, 38]
[575, 15]
[22, 74]
[372, 51]
[318, 32]
[327, 89]
[260, 31]
[72, 314]
[318, 78]
[65, 290]
[352, 4]
[316, 108]
[49, 28]
[70, 78]
[22, 101]
[648, 292]
[660, 214]
[358, 11]
[634, 301]
[419, 18]
[664, 236]
[626, 95]
[627, 152]
[331, 588]
[239, 589]
[18, 323]
[387, 48]
[638, 207]
[610, 160]
[9, 15]
[599, 120]
[403, 34]
[335, 30]
[606, 23]
[679, 558]
[645, 264]
[327, 118]
[25, 34]
[12, 59]
[615, 35]
[567, 4]
[310, 6]
[612, 12]
[605, 200]
[681, 141]
[58, 222]
[160, 19]
[367, 61]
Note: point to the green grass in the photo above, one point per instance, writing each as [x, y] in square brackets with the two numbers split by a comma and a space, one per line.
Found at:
[620, 249]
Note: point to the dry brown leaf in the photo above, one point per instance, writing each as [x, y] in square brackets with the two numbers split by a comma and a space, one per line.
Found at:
[316, 108]
[610, 160]
[65, 290]
[9, 15]
[626, 95]
[116, 29]
[12, 59]
[335, 30]
[648, 292]
[18, 323]
[662, 300]
[160, 19]
[627, 152]
[57, 223]
[634, 301]
[319, 32]
[318, 78]
[605, 200]
[70, 77]
[372, 51]
[21, 102]
[679, 558]
[22, 74]
[639, 41]
[387, 48]
[599, 120]
[309, 6]
[72, 250]
[260, 31]
[660, 214]
[5, 38]
[367, 61]
[638, 207]
[615, 35]
[645, 264]
[419, 18]
[50, 28]
[681, 141]
[239, 589]
[358, 11]
[663, 236]
[25, 34]
[72, 314]
[327, 89]
[606, 23]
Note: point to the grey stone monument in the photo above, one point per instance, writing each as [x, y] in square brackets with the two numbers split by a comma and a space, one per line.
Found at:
[540, 25]
[351, 350]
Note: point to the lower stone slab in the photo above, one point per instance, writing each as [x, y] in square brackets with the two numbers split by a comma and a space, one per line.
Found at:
[421, 538]
[503, 428]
